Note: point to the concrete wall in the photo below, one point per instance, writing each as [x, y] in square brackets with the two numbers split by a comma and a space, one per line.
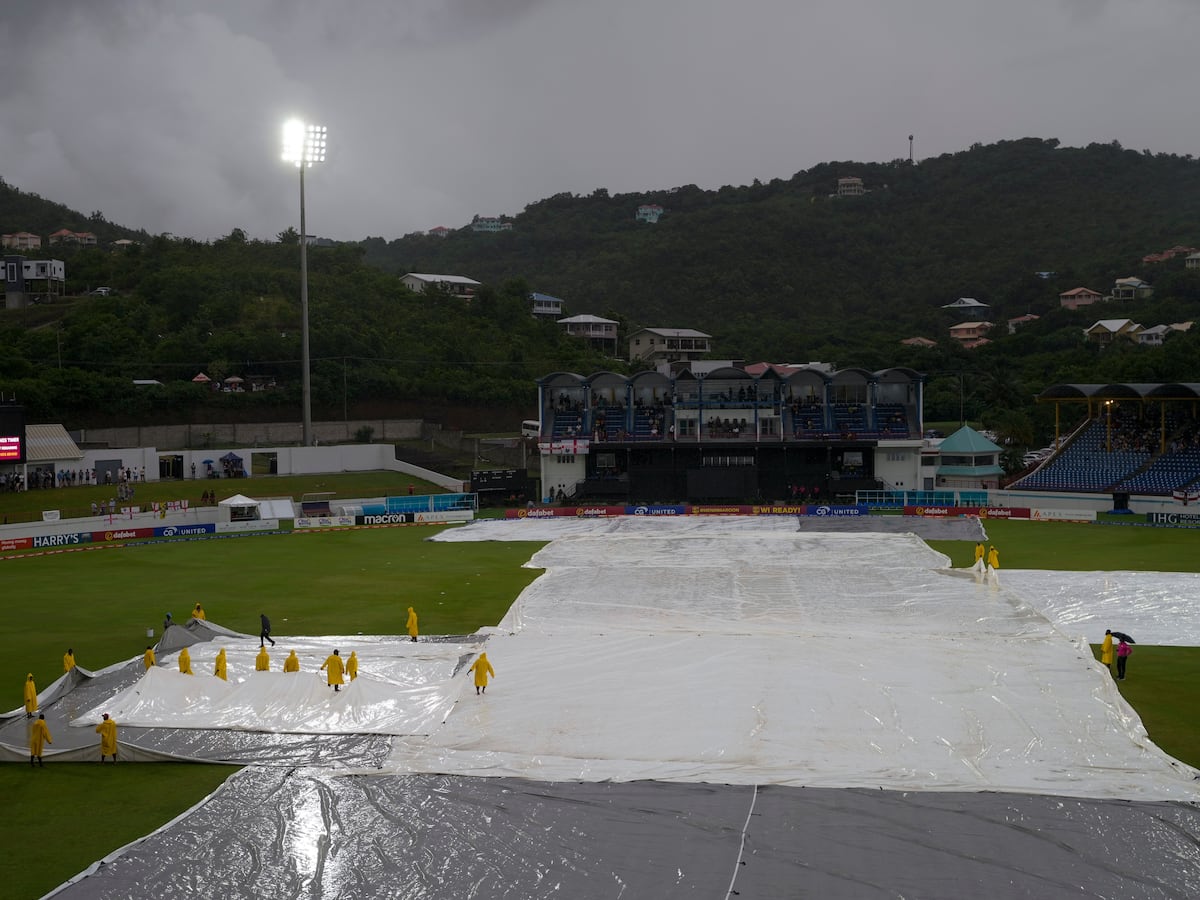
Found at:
[181, 437]
[289, 461]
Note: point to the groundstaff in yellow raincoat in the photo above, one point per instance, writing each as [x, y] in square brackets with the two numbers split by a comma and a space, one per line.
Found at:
[336, 670]
[1106, 649]
[39, 735]
[198, 612]
[185, 661]
[262, 662]
[148, 659]
[31, 703]
[68, 660]
[412, 623]
[352, 665]
[219, 670]
[482, 669]
[107, 730]
[993, 558]
[292, 663]
[979, 552]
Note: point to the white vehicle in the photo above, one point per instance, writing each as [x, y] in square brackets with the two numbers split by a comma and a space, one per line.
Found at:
[531, 428]
[101, 292]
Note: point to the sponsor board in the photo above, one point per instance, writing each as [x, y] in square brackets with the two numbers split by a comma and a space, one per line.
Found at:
[779, 510]
[385, 519]
[121, 534]
[536, 512]
[184, 530]
[256, 525]
[1063, 515]
[16, 544]
[983, 512]
[63, 540]
[655, 510]
[720, 510]
[1154, 518]
[324, 521]
[598, 512]
[838, 511]
[51, 515]
[449, 515]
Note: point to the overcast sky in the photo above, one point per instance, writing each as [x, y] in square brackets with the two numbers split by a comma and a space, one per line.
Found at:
[165, 114]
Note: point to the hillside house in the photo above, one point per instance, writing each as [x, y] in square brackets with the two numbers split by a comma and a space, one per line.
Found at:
[918, 342]
[967, 305]
[456, 285]
[850, 186]
[79, 238]
[545, 305]
[658, 345]
[30, 280]
[440, 231]
[648, 212]
[1192, 261]
[1106, 331]
[969, 331]
[600, 333]
[1078, 297]
[1014, 324]
[1132, 289]
[21, 240]
[490, 224]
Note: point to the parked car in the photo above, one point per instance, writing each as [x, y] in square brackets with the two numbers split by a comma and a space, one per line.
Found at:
[100, 292]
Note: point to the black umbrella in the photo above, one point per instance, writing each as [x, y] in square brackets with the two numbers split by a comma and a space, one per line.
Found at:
[1122, 636]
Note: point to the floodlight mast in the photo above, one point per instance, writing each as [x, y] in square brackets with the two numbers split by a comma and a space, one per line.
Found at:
[304, 145]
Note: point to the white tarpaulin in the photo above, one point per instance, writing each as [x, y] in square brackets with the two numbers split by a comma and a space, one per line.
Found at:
[402, 688]
[740, 651]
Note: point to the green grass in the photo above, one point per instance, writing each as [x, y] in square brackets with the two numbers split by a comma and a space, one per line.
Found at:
[76, 501]
[1074, 546]
[102, 601]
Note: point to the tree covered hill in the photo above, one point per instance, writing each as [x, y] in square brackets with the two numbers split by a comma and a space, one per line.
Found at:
[780, 271]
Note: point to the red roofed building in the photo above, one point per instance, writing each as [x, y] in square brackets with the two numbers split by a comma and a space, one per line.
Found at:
[1078, 297]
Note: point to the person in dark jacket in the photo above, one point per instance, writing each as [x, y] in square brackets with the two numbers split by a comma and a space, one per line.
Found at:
[265, 634]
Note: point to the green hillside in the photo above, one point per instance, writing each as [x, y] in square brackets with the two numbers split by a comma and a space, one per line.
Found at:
[780, 271]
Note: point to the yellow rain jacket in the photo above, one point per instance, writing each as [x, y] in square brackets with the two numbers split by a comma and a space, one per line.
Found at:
[262, 662]
[198, 613]
[68, 661]
[185, 661]
[336, 668]
[994, 558]
[148, 659]
[292, 663]
[352, 665]
[1106, 650]
[482, 669]
[108, 737]
[31, 701]
[412, 622]
[219, 671]
[39, 735]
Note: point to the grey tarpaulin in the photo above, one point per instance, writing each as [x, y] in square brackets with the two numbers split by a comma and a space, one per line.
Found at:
[432, 836]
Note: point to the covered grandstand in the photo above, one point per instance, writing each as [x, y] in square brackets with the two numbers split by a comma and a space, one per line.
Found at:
[1137, 439]
[725, 433]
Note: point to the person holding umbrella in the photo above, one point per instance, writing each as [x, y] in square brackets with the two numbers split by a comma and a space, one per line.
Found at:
[1123, 652]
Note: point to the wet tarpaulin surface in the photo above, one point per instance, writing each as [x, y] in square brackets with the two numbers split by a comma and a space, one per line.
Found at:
[270, 834]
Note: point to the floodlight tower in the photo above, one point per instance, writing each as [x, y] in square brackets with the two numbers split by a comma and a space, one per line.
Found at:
[304, 145]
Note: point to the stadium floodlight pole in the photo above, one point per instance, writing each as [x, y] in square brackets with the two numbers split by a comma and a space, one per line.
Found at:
[304, 145]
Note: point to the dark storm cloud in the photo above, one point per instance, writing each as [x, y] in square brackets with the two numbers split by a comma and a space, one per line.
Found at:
[165, 114]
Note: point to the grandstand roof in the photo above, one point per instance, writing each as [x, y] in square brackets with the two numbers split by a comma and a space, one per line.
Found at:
[49, 443]
[1170, 391]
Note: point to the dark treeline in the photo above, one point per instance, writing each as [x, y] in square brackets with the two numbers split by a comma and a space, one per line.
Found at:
[777, 271]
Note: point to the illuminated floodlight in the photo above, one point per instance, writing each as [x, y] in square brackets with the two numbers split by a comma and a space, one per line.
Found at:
[303, 143]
